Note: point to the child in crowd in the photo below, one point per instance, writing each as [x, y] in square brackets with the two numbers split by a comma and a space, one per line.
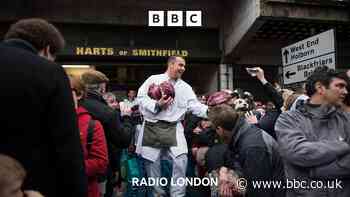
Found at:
[12, 175]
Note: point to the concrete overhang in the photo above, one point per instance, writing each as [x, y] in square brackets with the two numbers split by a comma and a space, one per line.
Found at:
[260, 28]
[107, 12]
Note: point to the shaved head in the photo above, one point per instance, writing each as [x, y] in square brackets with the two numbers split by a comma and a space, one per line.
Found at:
[176, 67]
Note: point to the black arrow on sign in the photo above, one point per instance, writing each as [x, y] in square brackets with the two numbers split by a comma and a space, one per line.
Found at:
[289, 74]
[286, 53]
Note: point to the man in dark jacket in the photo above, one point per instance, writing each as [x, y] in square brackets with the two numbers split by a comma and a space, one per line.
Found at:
[118, 134]
[39, 126]
[250, 150]
[267, 122]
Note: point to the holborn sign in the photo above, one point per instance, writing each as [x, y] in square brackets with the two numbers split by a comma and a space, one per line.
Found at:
[300, 59]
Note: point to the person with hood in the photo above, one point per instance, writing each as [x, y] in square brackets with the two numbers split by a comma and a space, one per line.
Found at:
[314, 139]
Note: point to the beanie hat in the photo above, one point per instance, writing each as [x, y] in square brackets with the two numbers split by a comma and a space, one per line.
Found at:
[218, 98]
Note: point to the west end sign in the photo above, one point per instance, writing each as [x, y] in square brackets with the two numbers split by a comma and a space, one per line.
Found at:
[300, 59]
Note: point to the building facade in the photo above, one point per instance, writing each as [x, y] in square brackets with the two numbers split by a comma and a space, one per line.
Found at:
[114, 36]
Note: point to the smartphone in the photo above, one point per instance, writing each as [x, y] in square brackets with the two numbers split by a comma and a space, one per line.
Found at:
[252, 71]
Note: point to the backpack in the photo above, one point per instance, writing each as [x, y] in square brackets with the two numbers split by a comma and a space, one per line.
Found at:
[89, 141]
[90, 135]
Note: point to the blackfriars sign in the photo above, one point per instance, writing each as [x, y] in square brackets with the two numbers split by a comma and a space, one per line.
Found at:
[302, 58]
[103, 51]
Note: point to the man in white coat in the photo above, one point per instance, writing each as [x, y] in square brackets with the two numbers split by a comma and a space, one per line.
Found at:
[168, 110]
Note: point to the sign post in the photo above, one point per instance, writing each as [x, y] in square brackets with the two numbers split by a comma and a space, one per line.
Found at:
[300, 59]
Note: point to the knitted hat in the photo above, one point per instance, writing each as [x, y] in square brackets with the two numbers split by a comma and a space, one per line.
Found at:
[218, 98]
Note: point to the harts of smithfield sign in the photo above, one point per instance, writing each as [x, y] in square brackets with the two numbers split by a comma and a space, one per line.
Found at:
[103, 51]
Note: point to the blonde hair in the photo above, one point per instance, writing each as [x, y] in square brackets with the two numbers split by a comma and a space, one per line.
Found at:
[94, 77]
[77, 85]
[10, 170]
[286, 93]
[289, 101]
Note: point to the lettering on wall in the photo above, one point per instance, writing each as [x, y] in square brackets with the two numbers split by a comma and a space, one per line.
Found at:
[93, 51]
[102, 51]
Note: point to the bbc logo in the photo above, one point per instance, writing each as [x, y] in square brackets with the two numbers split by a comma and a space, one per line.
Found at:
[175, 18]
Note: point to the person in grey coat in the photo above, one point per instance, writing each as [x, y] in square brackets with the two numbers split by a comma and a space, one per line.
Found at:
[314, 139]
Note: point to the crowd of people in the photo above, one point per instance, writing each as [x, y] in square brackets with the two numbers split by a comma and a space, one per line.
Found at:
[73, 138]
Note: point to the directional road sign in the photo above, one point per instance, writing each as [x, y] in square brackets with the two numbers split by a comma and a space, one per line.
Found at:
[300, 59]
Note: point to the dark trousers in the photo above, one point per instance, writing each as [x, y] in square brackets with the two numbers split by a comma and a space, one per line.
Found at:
[111, 182]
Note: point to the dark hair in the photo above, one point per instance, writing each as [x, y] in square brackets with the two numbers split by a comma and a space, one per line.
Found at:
[37, 32]
[172, 59]
[347, 98]
[131, 89]
[324, 75]
[223, 116]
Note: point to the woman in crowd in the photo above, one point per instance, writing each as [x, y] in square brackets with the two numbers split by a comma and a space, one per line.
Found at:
[92, 139]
